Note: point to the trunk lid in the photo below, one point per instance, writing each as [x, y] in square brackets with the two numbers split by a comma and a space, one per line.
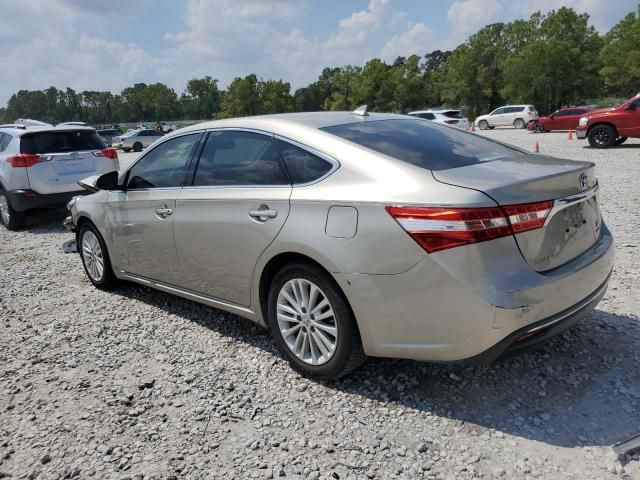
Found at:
[573, 224]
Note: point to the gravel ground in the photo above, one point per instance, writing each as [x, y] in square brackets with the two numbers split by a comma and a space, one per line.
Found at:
[138, 384]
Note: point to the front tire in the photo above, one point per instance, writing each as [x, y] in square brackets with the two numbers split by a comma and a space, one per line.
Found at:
[11, 219]
[483, 125]
[602, 136]
[95, 258]
[519, 124]
[312, 323]
[539, 128]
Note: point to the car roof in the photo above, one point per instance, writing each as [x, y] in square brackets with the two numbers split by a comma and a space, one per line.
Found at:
[435, 110]
[17, 130]
[314, 120]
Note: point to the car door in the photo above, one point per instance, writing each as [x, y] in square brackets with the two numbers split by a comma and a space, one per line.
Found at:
[628, 125]
[236, 204]
[142, 213]
[496, 118]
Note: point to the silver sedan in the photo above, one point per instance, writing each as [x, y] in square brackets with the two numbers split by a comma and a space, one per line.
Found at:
[355, 234]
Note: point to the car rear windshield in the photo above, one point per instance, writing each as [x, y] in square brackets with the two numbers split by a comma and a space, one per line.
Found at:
[423, 144]
[452, 114]
[60, 142]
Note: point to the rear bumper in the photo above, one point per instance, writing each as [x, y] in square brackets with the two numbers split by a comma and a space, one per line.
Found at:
[23, 200]
[581, 132]
[471, 306]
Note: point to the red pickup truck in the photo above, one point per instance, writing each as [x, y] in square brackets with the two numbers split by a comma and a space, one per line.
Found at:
[611, 126]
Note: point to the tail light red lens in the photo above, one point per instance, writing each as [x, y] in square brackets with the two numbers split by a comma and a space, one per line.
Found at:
[436, 229]
[23, 160]
[111, 153]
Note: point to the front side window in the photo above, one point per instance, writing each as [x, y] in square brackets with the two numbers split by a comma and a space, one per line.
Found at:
[499, 111]
[427, 116]
[239, 158]
[302, 165]
[424, 144]
[165, 165]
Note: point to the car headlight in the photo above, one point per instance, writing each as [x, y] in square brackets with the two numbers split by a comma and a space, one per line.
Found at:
[583, 121]
[72, 202]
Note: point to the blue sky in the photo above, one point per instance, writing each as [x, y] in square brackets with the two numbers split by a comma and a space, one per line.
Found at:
[110, 44]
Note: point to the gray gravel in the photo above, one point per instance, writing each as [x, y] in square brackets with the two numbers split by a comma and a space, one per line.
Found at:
[137, 384]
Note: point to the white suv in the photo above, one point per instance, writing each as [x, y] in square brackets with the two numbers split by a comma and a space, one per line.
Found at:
[41, 166]
[517, 116]
[453, 118]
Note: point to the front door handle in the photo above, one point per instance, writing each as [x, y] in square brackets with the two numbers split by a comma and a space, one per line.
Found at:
[164, 212]
[263, 215]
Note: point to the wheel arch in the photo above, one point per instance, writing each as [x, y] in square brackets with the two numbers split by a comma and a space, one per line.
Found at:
[600, 123]
[271, 268]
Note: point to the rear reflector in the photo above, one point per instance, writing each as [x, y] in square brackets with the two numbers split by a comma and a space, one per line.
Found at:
[436, 229]
[111, 153]
[23, 160]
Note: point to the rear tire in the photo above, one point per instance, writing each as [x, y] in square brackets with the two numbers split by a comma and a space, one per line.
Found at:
[293, 305]
[126, 150]
[621, 140]
[519, 124]
[95, 258]
[483, 125]
[137, 147]
[602, 136]
[11, 219]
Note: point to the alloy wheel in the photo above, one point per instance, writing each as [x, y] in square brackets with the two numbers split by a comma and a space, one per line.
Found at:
[4, 210]
[602, 136]
[307, 321]
[92, 256]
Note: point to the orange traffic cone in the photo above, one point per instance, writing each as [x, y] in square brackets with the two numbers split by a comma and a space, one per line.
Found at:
[570, 136]
[536, 148]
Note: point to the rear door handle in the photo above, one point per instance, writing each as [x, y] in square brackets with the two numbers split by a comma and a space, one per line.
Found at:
[164, 212]
[263, 215]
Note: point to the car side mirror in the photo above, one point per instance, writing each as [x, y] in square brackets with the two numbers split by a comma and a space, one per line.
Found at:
[108, 181]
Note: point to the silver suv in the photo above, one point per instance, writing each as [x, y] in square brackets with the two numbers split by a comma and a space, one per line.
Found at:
[517, 116]
[41, 166]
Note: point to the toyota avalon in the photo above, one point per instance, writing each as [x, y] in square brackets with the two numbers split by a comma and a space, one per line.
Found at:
[354, 234]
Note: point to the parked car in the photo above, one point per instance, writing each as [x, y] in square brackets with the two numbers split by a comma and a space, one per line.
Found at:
[563, 119]
[356, 234]
[108, 134]
[517, 116]
[136, 140]
[452, 118]
[41, 167]
[611, 126]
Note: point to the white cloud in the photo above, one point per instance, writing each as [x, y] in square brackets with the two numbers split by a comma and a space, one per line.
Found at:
[467, 16]
[415, 41]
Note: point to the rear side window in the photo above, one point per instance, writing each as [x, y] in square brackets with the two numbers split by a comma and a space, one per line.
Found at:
[426, 116]
[303, 166]
[239, 158]
[60, 142]
[531, 108]
[424, 144]
[5, 139]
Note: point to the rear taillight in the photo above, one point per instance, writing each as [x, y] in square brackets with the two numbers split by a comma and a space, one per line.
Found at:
[451, 122]
[111, 153]
[23, 160]
[436, 229]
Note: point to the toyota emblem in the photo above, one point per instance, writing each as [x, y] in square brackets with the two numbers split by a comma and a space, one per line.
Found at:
[584, 181]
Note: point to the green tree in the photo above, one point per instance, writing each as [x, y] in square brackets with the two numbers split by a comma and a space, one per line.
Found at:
[242, 98]
[275, 96]
[560, 67]
[201, 98]
[343, 84]
[620, 57]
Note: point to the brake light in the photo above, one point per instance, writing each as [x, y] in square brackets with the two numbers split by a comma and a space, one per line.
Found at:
[451, 122]
[23, 160]
[111, 153]
[436, 229]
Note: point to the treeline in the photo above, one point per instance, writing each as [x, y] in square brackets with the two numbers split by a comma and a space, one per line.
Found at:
[550, 61]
